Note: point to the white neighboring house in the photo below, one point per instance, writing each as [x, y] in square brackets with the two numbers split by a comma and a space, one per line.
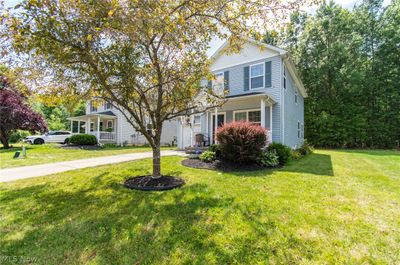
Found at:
[262, 86]
[109, 125]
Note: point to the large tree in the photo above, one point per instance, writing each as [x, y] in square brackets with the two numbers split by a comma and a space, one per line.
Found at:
[15, 113]
[148, 57]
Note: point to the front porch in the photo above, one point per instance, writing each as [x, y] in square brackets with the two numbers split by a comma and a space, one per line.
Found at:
[102, 125]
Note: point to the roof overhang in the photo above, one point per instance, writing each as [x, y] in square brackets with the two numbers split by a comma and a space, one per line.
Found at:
[106, 115]
[261, 95]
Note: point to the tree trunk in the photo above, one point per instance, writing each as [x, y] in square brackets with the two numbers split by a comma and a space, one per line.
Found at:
[156, 161]
[4, 141]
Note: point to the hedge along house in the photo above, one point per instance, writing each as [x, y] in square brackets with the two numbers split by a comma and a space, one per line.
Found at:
[109, 125]
[262, 86]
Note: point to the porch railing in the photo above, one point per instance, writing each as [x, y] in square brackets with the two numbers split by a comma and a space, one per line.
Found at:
[106, 136]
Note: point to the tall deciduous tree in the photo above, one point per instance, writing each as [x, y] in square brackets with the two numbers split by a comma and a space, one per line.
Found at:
[15, 113]
[148, 57]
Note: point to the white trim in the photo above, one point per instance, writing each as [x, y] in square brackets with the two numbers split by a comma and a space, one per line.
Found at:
[262, 107]
[282, 105]
[198, 115]
[112, 124]
[247, 114]
[243, 63]
[263, 75]
[216, 122]
[270, 121]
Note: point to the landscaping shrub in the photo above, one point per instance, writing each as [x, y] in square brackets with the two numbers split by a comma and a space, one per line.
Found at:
[306, 148]
[295, 154]
[241, 141]
[268, 159]
[83, 139]
[283, 152]
[207, 156]
[17, 136]
[215, 148]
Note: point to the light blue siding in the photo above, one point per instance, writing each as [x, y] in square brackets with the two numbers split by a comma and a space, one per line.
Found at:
[293, 114]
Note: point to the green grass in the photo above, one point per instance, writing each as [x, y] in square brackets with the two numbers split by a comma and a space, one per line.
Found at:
[48, 153]
[332, 207]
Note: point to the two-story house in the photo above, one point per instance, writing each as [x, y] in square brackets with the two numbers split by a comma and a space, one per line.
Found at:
[109, 125]
[262, 86]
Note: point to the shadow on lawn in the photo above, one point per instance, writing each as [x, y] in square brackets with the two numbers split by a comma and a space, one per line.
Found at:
[112, 225]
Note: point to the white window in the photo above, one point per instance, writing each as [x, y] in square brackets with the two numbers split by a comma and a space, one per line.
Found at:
[196, 119]
[93, 107]
[253, 116]
[110, 125]
[284, 77]
[257, 76]
[218, 83]
[92, 126]
[107, 105]
[298, 129]
[295, 95]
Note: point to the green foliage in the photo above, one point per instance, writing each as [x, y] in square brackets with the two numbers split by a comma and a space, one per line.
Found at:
[83, 139]
[207, 156]
[350, 65]
[215, 148]
[295, 154]
[283, 152]
[268, 159]
[18, 136]
[306, 148]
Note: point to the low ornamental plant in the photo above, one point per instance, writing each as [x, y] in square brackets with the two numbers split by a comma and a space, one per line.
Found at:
[283, 152]
[207, 156]
[241, 142]
[268, 159]
[306, 148]
[82, 139]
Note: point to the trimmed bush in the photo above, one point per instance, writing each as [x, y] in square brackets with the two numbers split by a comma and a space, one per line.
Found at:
[215, 148]
[283, 152]
[82, 139]
[268, 159]
[306, 148]
[207, 156]
[17, 136]
[241, 142]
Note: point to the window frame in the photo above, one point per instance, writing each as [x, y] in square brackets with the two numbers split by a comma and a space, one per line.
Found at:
[112, 124]
[247, 115]
[106, 104]
[213, 83]
[93, 108]
[194, 119]
[263, 75]
[298, 129]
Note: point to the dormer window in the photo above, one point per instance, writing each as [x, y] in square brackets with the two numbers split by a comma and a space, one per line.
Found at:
[257, 76]
[218, 83]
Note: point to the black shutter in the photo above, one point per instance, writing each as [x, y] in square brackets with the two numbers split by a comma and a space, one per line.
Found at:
[226, 80]
[268, 74]
[246, 78]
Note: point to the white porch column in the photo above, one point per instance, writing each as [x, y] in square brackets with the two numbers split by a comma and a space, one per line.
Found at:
[87, 129]
[207, 130]
[270, 122]
[79, 126]
[72, 126]
[263, 113]
[98, 128]
[216, 125]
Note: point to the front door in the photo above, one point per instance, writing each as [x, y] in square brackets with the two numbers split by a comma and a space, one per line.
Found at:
[220, 121]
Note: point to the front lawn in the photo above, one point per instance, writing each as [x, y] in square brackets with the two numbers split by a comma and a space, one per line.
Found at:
[332, 207]
[48, 153]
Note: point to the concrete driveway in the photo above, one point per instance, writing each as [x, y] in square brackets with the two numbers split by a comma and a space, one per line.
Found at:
[11, 174]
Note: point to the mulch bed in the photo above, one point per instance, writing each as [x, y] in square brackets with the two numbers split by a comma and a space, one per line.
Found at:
[81, 147]
[147, 183]
[221, 165]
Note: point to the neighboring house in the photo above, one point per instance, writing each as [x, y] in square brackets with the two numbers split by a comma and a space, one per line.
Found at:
[262, 86]
[109, 125]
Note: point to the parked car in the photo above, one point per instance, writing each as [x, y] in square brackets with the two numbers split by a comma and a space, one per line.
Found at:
[50, 137]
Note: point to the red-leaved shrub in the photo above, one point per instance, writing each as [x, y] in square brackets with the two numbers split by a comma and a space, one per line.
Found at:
[241, 141]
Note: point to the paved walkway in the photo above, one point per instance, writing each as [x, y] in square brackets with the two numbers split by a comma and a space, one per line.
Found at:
[11, 174]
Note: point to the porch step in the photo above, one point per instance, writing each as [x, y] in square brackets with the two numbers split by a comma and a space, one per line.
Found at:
[194, 150]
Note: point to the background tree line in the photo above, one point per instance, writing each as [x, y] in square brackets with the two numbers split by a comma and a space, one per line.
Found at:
[349, 61]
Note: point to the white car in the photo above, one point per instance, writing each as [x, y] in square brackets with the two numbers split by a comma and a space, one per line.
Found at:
[50, 137]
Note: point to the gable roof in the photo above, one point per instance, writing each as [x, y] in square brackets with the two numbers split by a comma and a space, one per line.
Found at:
[283, 53]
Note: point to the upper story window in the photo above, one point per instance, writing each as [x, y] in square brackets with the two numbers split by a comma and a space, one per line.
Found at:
[284, 77]
[295, 95]
[218, 83]
[253, 116]
[257, 76]
[93, 107]
[107, 105]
